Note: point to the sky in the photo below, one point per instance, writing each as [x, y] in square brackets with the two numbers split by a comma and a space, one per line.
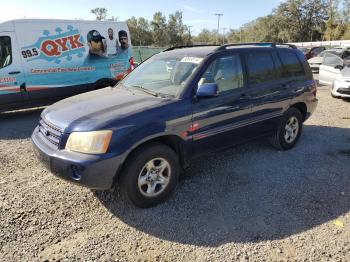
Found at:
[196, 13]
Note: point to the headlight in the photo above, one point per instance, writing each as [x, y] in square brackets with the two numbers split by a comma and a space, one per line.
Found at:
[95, 142]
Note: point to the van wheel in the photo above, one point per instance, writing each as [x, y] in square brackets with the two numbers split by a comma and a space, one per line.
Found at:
[150, 175]
[289, 130]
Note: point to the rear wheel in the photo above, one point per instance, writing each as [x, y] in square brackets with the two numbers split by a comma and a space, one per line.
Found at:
[289, 130]
[150, 175]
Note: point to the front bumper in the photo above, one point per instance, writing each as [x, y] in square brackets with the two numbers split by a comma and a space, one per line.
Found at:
[341, 89]
[92, 171]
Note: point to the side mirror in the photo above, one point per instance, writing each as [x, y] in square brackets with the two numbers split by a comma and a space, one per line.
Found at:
[207, 90]
[340, 67]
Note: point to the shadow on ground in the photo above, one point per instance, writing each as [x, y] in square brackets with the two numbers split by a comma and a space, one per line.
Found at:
[251, 193]
[19, 124]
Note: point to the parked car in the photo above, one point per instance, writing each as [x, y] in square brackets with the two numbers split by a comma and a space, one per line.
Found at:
[139, 134]
[311, 52]
[42, 61]
[336, 73]
[315, 62]
[330, 69]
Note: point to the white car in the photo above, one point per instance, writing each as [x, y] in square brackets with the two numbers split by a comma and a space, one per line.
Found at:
[333, 72]
[315, 62]
[341, 84]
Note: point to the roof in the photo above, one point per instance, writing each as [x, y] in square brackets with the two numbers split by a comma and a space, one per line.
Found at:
[202, 51]
[197, 51]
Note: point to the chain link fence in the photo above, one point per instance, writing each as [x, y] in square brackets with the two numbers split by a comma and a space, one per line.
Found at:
[141, 53]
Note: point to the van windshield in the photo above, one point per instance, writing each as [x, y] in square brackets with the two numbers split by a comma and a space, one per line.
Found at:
[163, 75]
[5, 51]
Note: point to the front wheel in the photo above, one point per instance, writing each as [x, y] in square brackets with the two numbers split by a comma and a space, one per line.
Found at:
[289, 130]
[150, 175]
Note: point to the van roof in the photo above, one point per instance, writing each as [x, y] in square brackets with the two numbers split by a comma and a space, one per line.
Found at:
[55, 20]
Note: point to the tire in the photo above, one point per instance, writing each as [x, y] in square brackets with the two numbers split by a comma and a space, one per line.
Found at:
[283, 139]
[142, 181]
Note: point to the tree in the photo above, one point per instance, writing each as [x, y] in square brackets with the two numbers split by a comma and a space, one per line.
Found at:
[176, 29]
[100, 13]
[159, 30]
[206, 37]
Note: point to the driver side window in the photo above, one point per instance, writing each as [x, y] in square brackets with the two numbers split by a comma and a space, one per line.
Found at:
[226, 72]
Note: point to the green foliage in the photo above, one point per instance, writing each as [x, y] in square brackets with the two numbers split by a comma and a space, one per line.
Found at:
[291, 21]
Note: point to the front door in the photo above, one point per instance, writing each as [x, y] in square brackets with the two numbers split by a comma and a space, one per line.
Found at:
[219, 121]
[11, 72]
[329, 69]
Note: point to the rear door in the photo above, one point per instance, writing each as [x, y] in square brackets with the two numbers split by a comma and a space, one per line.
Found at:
[11, 71]
[270, 90]
[220, 121]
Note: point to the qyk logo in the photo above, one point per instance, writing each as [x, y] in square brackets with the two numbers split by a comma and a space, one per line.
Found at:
[58, 46]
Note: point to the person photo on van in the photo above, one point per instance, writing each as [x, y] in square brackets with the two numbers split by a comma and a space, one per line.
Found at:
[96, 44]
[112, 43]
[124, 48]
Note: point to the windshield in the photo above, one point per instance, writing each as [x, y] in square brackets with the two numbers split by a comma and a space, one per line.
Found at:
[162, 75]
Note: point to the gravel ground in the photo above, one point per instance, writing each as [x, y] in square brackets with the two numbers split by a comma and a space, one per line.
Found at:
[250, 203]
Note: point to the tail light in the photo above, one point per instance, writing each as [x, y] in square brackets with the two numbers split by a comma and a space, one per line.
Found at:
[314, 88]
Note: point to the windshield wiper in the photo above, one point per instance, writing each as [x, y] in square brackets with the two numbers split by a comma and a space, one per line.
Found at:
[147, 91]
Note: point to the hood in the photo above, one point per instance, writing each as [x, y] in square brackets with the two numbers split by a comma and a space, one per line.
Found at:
[94, 110]
[316, 60]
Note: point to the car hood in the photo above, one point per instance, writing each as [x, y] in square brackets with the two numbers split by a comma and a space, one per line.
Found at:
[95, 110]
[316, 60]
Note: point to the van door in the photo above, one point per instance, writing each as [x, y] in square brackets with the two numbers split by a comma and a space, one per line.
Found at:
[52, 56]
[11, 72]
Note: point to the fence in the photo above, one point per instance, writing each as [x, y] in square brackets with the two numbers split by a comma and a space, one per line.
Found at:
[141, 53]
[342, 43]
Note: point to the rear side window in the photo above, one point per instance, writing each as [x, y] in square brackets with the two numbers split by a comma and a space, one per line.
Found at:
[5, 51]
[291, 64]
[261, 67]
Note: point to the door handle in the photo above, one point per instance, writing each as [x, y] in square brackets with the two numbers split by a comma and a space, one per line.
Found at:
[244, 96]
[14, 72]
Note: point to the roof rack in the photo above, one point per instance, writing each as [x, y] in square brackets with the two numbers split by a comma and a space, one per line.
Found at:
[223, 47]
[186, 46]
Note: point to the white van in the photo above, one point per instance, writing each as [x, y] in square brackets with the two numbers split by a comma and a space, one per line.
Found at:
[42, 61]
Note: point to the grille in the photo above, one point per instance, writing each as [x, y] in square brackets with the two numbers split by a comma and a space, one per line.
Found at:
[51, 133]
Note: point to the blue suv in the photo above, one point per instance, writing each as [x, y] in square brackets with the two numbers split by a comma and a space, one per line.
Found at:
[178, 104]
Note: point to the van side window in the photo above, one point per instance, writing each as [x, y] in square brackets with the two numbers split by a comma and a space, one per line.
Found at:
[226, 71]
[5, 51]
[292, 66]
[260, 67]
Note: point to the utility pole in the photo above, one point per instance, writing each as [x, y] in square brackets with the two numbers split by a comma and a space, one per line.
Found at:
[217, 35]
[189, 32]
[223, 35]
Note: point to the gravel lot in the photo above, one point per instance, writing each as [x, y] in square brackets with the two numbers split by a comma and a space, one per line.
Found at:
[250, 203]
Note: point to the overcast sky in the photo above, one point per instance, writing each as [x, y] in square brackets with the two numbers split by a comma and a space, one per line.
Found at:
[197, 13]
